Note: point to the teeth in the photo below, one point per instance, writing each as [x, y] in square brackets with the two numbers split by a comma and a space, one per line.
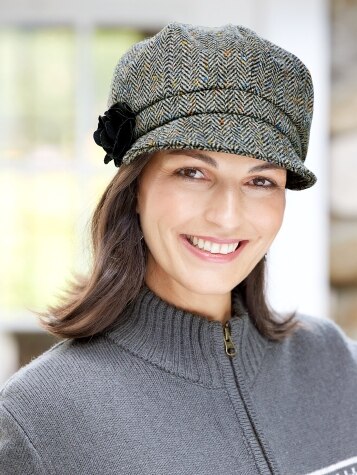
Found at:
[213, 247]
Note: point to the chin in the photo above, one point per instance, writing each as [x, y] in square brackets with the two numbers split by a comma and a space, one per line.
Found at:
[208, 286]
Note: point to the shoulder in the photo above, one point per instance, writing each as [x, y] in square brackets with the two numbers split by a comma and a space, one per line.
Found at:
[320, 341]
[68, 368]
[40, 369]
[322, 331]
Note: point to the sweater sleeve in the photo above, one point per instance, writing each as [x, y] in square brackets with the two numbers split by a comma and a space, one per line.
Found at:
[343, 342]
[17, 454]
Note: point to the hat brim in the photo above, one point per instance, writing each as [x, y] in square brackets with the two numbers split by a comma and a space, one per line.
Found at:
[230, 133]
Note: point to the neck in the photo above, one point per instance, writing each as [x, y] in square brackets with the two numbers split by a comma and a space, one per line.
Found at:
[215, 307]
[187, 344]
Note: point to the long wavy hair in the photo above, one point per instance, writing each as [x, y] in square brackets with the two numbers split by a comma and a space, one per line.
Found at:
[94, 302]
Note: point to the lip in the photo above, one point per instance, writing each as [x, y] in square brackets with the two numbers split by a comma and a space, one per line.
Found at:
[208, 257]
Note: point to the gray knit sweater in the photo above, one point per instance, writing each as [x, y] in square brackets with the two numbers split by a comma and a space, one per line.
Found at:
[158, 395]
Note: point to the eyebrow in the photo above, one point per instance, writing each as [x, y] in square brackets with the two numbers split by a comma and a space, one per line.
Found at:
[211, 161]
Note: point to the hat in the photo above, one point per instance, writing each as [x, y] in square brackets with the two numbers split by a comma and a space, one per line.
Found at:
[223, 89]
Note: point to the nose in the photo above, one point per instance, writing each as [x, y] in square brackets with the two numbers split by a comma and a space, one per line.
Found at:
[226, 208]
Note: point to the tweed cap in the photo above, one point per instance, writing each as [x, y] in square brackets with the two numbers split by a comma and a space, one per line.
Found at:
[223, 89]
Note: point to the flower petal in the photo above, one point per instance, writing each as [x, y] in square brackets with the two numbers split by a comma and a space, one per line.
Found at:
[115, 132]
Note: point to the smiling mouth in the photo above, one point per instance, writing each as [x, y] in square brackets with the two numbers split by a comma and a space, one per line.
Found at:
[215, 247]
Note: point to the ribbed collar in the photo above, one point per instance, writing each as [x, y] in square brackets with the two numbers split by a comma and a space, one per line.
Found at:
[186, 344]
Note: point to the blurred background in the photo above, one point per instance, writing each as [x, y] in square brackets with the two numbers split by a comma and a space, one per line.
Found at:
[56, 64]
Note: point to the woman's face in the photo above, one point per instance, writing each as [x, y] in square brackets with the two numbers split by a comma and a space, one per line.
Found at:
[180, 193]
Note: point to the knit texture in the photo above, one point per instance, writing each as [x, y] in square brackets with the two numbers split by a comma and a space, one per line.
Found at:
[222, 89]
[156, 394]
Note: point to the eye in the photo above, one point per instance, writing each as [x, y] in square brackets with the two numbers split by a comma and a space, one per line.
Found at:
[185, 172]
[190, 173]
[260, 179]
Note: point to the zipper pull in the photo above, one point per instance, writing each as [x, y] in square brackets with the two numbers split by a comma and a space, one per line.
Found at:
[228, 342]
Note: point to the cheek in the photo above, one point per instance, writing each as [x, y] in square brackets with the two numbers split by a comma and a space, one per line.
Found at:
[165, 205]
[268, 215]
[276, 215]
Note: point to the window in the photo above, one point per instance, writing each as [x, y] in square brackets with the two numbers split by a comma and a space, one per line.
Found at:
[54, 84]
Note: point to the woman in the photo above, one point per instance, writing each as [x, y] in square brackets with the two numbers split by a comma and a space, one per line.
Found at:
[172, 361]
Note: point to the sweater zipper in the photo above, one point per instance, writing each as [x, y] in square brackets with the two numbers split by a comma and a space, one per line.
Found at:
[231, 352]
[228, 342]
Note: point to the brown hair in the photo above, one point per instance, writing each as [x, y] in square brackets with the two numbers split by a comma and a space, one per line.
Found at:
[95, 301]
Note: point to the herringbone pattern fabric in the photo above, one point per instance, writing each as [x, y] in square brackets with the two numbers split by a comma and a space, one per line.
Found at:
[223, 89]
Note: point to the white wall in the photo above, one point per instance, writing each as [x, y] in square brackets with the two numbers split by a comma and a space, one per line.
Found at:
[299, 257]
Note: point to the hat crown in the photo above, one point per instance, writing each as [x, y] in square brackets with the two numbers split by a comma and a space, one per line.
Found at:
[183, 58]
[215, 88]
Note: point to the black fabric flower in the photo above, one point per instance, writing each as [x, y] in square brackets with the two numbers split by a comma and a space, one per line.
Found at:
[115, 131]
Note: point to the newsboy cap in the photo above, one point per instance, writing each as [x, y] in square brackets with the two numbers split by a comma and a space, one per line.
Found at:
[223, 89]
